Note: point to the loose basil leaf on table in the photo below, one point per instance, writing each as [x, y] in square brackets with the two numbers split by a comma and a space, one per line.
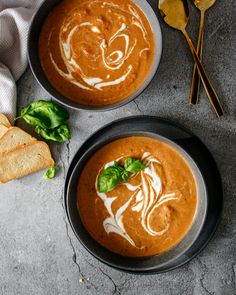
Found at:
[134, 165]
[49, 120]
[44, 114]
[50, 173]
[59, 135]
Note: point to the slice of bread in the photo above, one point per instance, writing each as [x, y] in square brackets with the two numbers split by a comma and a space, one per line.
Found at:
[3, 130]
[25, 160]
[4, 120]
[13, 138]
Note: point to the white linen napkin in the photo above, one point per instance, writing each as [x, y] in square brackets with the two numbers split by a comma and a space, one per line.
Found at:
[15, 17]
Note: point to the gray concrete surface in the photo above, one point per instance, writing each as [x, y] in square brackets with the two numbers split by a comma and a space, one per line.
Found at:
[38, 251]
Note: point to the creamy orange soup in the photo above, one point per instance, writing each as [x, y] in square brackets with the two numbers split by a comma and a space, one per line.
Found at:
[96, 52]
[148, 215]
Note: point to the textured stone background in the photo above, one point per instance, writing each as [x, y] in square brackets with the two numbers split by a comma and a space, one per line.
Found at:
[38, 251]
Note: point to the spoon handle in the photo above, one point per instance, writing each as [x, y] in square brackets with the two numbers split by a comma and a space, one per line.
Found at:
[195, 86]
[215, 102]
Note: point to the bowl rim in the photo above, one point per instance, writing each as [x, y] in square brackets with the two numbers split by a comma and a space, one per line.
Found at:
[38, 73]
[93, 148]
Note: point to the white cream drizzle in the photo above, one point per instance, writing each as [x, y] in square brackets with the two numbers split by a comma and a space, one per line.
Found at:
[111, 61]
[114, 82]
[146, 197]
[114, 223]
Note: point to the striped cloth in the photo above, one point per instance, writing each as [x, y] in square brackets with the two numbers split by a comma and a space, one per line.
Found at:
[15, 17]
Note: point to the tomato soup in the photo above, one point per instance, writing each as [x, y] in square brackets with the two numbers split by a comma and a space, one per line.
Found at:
[151, 212]
[96, 52]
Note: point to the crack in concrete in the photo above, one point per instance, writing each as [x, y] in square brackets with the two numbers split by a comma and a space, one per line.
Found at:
[63, 164]
[138, 107]
[202, 278]
[126, 284]
[234, 273]
[115, 291]
[234, 269]
[74, 256]
[68, 152]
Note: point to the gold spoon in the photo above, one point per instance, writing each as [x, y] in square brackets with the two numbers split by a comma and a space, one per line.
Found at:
[203, 6]
[176, 14]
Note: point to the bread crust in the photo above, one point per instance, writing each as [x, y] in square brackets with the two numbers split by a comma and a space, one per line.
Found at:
[3, 130]
[24, 160]
[8, 142]
[4, 120]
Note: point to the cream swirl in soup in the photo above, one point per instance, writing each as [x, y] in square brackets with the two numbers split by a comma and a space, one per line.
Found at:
[144, 198]
[96, 52]
[149, 214]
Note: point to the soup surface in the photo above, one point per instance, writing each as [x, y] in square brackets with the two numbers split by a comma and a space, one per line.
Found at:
[149, 214]
[96, 52]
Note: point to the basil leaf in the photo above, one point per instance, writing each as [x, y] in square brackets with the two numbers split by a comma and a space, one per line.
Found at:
[59, 134]
[133, 165]
[125, 176]
[109, 179]
[119, 167]
[111, 176]
[50, 173]
[44, 114]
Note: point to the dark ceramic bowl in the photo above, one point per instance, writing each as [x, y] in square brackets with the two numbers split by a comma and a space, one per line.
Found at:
[34, 61]
[191, 149]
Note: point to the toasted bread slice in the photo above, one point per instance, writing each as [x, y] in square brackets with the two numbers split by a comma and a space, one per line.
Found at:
[25, 160]
[4, 120]
[13, 138]
[3, 130]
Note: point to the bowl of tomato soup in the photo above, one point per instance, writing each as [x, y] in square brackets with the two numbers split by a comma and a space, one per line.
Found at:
[136, 199]
[94, 55]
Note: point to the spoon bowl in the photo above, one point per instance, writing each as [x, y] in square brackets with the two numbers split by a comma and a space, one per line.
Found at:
[170, 8]
[204, 5]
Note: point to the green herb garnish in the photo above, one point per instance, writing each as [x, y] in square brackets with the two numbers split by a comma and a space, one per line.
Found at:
[134, 165]
[50, 173]
[58, 134]
[49, 120]
[110, 177]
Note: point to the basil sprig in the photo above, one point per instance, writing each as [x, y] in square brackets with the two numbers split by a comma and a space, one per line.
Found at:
[49, 119]
[110, 177]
